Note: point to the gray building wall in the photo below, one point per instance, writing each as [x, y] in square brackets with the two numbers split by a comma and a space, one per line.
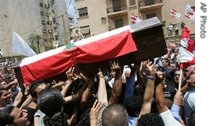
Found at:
[23, 17]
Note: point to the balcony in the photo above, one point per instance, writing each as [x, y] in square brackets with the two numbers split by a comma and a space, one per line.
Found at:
[120, 10]
[177, 38]
[147, 5]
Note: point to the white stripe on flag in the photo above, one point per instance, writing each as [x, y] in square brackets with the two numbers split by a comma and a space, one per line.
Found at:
[184, 55]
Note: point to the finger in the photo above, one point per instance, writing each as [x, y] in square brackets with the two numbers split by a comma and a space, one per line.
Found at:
[117, 62]
[76, 76]
[72, 71]
[114, 62]
[99, 106]
[149, 63]
[69, 69]
[82, 76]
[95, 103]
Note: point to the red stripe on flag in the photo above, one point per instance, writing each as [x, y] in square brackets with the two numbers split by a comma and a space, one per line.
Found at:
[110, 47]
[186, 58]
[187, 64]
[48, 67]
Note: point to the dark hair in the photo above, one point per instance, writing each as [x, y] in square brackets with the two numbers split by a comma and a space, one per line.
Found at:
[5, 117]
[133, 105]
[84, 119]
[115, 115]
[166, 60]
[50, 101]
[59, 119]
[30, 113]
[182, 24]
[150, 119]
[33, 86]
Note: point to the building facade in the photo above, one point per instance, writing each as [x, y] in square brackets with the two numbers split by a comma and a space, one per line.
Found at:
[95, 17]
[43, 24]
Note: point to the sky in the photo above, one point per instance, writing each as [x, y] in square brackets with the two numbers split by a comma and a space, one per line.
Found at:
[71, 9]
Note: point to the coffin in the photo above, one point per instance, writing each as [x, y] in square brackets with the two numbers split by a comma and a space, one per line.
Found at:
[148, 38]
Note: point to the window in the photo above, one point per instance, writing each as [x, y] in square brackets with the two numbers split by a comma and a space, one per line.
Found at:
[132, 2]
[103, 20]
[85, 29]
[150, 15]
[83, 12]
[149, 2]
[118, 23]
[116, 5]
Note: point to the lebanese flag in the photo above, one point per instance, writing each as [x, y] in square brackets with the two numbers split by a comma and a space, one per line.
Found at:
[186, 41]
[98, 48]
[185, 57]
[135, 19]
[175, 14]
[190, 12]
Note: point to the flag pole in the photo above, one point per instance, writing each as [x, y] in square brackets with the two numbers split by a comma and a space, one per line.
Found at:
[180, 80]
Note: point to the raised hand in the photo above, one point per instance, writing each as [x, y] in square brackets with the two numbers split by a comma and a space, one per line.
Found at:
[71, 76]
[94, 112]
[115, 68]
[151, 68]
[100, 74]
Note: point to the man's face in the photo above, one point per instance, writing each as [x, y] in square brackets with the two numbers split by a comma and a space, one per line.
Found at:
[192, 80]
[176, 76]
[164, 63]
[173, 67]
[5, 96]
[20, 117]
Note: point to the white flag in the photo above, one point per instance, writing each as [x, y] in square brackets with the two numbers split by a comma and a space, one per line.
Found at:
[20, 47]
[175, 14]
[190, 12]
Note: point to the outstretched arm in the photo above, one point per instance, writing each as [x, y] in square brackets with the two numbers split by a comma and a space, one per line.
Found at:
[159, 96]
[164, 112]
[102, 92]
[86, 94]
[117, 86]
[149, 91]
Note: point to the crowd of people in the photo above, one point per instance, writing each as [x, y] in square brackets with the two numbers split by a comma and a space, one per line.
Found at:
[137, 94]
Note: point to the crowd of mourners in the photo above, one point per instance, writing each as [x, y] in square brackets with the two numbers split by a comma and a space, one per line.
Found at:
[137, 94]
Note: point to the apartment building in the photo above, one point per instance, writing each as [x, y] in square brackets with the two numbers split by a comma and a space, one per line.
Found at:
[43, 24]
[98, 16]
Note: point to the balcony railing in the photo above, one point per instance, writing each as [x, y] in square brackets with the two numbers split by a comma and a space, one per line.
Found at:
[143, 3]
[116, 9]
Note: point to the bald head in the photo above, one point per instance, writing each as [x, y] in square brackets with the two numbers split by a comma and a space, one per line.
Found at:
[115, 115]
